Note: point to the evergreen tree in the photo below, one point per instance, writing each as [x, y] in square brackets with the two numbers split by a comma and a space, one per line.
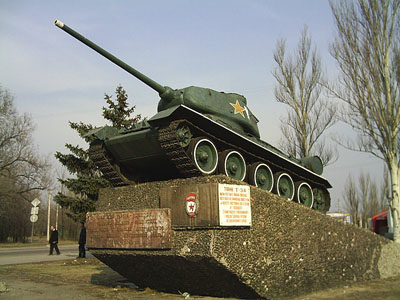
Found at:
[119, 114]
[87, 178]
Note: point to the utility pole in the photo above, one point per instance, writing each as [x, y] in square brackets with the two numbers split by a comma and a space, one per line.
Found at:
[56, 216]
[62, 223]
[48, 216]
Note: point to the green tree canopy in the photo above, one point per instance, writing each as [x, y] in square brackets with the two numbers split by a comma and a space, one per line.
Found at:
[87, 179]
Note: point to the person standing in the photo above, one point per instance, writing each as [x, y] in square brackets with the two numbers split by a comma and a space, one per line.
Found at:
[53, 241]
[82, 241]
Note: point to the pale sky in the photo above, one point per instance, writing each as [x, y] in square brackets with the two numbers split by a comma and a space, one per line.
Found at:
[224, 45]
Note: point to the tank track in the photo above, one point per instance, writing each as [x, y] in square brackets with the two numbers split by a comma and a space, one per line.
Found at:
[170, 144]
[175, 152]
[167, 136]
[98, 156]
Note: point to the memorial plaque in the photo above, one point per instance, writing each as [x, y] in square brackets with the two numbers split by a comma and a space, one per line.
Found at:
[207, 205]
[129, 229]
[192, 205]
[234, 205]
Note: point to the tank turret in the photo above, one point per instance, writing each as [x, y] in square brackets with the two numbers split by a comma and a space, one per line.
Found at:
[227, 108]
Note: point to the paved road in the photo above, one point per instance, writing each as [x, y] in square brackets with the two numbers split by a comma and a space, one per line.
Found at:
[11, 256]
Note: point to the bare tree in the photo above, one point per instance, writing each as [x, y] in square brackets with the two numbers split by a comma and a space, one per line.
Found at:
[363, 196]
[366, 49]
[351, 201]
[309, 116]
[369, 197]
[23, 174]
[21, 168]
[374, 203]
[364, 199]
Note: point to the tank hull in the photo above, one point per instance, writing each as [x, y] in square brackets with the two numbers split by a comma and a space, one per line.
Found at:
[255, 149]
[140, 156]
[154, 152]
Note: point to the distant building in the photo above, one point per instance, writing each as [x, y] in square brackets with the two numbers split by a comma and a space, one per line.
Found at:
[382, 224]
[345, 217]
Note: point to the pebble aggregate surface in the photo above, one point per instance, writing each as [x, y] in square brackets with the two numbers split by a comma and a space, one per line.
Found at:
[289, 250]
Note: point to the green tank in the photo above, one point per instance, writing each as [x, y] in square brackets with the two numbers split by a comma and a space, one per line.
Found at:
[199, 131]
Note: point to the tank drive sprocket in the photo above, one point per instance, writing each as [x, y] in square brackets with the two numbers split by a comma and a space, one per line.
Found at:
[98, 155]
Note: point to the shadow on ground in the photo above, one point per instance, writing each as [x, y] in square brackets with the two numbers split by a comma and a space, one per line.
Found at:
[110, 278]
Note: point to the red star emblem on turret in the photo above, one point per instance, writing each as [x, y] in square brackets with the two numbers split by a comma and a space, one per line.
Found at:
[238, 108]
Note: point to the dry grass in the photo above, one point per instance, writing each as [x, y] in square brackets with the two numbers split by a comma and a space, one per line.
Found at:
[91, 277]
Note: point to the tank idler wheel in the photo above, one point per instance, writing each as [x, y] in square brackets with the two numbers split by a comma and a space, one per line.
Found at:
[322, 200]
[284, 185]
[232, 164]
[261, 176]
[304, 194]
[184, 136]
[204, 155]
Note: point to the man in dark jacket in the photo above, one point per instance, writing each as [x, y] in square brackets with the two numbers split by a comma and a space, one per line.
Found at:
[82, 241]
[53, 241]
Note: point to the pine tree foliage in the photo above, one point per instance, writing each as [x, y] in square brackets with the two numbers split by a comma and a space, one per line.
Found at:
[119, 113]
[87, 178]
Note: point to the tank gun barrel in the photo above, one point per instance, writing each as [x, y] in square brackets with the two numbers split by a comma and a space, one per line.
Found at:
[151, 83]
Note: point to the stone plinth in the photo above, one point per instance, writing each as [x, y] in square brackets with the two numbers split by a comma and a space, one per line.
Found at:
[288, 249]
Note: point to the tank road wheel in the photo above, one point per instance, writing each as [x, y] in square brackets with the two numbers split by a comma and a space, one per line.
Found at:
[322, 200]
[304, 194]
[204, 154]
[232, 164]
[284, 185]
[261, 176]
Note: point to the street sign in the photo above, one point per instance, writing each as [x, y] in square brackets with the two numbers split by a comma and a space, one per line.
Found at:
[35, 202]
[34, 213]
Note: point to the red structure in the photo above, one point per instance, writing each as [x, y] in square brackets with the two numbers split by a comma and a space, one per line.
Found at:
[380, 223]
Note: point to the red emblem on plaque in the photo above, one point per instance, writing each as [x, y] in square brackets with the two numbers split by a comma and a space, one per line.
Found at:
[192, 205]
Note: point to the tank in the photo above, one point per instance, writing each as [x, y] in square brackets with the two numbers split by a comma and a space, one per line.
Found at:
[199, 132]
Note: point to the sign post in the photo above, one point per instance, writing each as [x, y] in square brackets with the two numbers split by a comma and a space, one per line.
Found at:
[34, 214]
[48, 216]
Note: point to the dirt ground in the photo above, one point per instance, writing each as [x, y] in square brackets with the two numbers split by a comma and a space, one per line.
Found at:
[91, 279]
